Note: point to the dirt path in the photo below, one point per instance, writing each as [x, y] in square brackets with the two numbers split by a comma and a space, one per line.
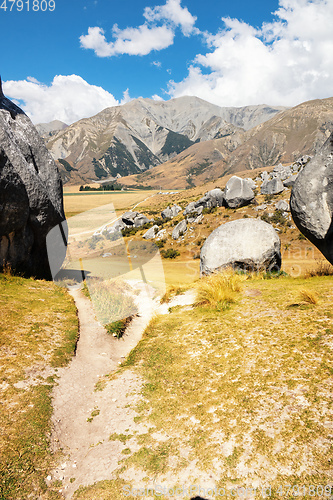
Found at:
[84, 418]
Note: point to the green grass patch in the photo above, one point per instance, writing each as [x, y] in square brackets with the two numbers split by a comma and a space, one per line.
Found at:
[39, 329]
[246, 393]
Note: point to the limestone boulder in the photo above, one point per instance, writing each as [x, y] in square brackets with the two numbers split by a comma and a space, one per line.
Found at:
[282, 205]
[246, 244]
[290, 181]
[166, 213]
[211, 199]
[238, 192]
[273, 186]
[311, 200]
[171, 212]
[179, 230]
[140, 220]
[31, 197]
[151, 233]
[128, 218]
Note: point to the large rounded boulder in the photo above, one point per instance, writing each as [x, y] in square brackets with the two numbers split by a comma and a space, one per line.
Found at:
[238, 192]
[311, 201]
[31, 198]
[244, 244]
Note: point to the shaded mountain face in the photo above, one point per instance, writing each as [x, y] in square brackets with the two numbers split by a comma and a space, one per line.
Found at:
[284, 138]
[143, 134]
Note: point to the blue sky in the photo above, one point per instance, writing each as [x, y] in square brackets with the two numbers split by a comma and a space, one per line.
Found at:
[90, 54]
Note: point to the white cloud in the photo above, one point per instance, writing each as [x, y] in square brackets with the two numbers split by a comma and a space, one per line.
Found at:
[68, 98]
[172, 12]
[143, 39]
[133, 41]
[287, 61]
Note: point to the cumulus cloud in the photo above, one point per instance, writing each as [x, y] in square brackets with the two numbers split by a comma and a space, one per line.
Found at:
[143, 39]
[287, 61]
[68, 98]
[172, 12]
[133, 41]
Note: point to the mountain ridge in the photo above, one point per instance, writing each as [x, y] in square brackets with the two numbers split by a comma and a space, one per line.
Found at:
[143, 134]
[284, 138]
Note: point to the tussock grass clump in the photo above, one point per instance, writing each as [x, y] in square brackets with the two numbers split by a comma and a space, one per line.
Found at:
[219, 290]
[308, 297]
[323, 268]
[111, 300]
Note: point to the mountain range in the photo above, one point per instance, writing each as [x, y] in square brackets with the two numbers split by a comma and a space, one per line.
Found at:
[142, 134]
[184, 142]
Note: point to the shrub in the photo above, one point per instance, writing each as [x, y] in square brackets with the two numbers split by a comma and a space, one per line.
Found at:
[171, 253]
[210, 210]
[160, 243]
[323, 268]
[117, 328]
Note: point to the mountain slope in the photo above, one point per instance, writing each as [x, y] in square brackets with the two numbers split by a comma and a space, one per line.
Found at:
[284, 138]
[143, 133]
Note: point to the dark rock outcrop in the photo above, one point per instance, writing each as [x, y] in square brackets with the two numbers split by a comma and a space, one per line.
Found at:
[311, 200]
[246, 244]
[31, 197]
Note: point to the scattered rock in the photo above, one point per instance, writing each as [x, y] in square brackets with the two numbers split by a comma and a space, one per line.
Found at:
[169, 213]
[193, 209]
[195, 220]
[31, 199]
[151, 232]
[311, 200]
[140, 220]
[249, 244]
[261, 207]
[282, 172]
[179, 230]
[282, 205]
[273, 186]
[128, 218]
[290, 181]
[237, 192]
[251, 183]
[264, 176]
[166, 213]
[160, 234]
[117, 226]
[213, 198]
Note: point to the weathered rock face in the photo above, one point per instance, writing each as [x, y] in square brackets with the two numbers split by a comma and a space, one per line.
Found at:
[179, 230]
[31, 198]
[311, 201]
[213, 198]
[274, 186]
[151, 233]
[169, 213]
[238, 192]
[249, 244]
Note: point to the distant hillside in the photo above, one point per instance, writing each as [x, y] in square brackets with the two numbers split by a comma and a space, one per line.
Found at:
[284, 138]
[46, 130]
[144, 134]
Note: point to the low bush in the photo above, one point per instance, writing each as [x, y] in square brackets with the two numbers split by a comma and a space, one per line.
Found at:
[171, 253]
[323, 268]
